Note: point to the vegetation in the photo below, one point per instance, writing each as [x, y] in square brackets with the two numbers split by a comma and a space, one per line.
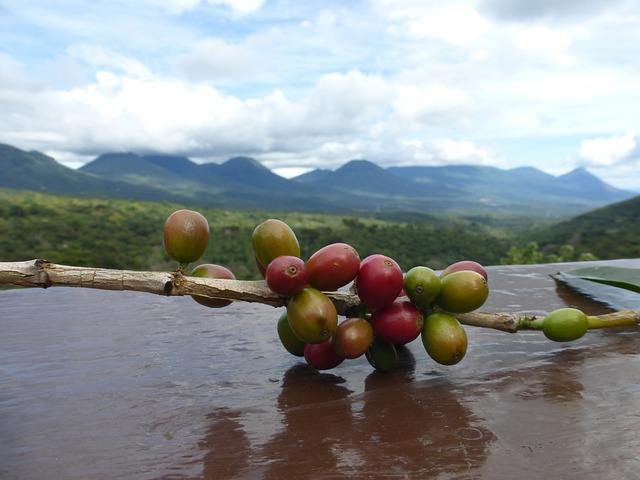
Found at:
[605, 233]
[128, 234]
[531, 253]
[609, 232]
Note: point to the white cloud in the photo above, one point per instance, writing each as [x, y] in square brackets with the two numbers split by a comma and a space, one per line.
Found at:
[326, 19]
[344, 116]
[214, 58]
[389, 152]
[119, 112]
[69, 159]
[549, 44]
[458, 24]
[12, 73]
[290, 172]
[420, 104]
[611, 151]
[616, 158]
[181, 6]
[527, 10]
[241, 6]
[461, 151]
[176, 7]
[350, 100]
[444, 151]
[99, 57]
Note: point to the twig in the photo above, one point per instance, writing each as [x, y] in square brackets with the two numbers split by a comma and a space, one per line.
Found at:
[41, 273]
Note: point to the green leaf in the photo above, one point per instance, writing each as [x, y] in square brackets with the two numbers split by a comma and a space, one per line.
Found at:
[612, 296]
[621, 277]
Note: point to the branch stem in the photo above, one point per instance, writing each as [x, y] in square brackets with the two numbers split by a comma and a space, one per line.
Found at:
[41, 273]
[623, 318]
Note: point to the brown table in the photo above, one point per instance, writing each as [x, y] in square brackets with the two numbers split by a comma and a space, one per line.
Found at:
[112, 385]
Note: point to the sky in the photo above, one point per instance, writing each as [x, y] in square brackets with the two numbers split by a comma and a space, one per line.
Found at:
[300, 85]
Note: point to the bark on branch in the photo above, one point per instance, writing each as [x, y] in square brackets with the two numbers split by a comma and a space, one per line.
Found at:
[41, 273]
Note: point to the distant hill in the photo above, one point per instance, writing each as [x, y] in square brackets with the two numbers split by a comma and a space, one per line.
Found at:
[248, 171]
[175, 164]
[241, 182]
[470, 187]
[609, 232]
[357, 186]
[381, 189]
[519, 185]
[368, 178]
[128, 167]
[581, 180]
[313, 175]
[38, 172]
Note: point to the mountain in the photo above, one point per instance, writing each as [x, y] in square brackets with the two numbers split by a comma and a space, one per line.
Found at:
[248, 171]
[178, 174]
[466, 181]
[357, 186]
[170, 169]
[175, 164]
[608, 232]
[128, 167]
[581, 180]
[366, 177]
[523, 186]
[36, 171]
[314, 175]
[239, 182]
[368, 186]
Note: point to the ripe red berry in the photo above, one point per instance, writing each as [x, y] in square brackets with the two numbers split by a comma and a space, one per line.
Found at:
[322, 356]
[379, 281]
[333, 266]
[287, 275]
[399, 323]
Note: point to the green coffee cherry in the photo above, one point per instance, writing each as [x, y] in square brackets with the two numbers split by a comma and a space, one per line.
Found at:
[565, 325]
[289, 341]
[422, 285]
[462, 292]
[382, 355]
[444, 339]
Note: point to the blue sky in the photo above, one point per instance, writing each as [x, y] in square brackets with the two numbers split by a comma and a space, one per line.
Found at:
[300, 85]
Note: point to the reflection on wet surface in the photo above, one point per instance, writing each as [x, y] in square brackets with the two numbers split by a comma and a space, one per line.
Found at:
[394, 428]
[575, 300]
[121, 385]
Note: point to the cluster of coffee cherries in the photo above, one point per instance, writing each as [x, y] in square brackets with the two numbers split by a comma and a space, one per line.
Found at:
[394, 308]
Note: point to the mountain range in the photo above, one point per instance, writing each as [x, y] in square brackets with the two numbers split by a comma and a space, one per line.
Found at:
[358, 185]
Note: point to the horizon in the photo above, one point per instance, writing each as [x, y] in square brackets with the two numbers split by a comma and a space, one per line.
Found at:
[286, 172]
[552, 85]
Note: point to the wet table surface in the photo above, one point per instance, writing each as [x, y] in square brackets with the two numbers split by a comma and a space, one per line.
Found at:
[98, 384]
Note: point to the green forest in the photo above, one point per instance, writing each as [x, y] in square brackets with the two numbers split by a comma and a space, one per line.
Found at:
[128, 234]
